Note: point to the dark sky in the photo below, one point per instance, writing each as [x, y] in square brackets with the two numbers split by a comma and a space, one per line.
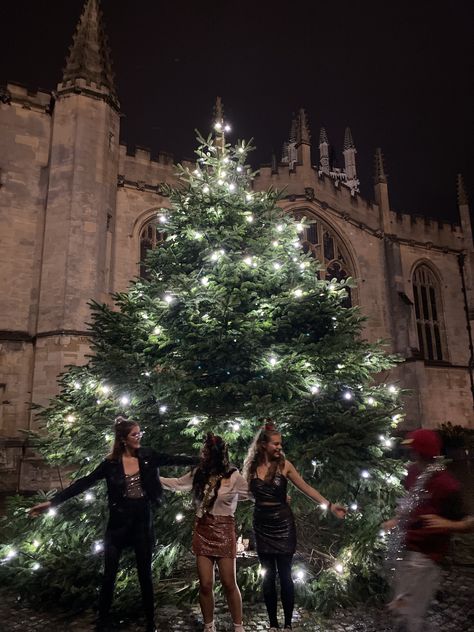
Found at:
[398, 73]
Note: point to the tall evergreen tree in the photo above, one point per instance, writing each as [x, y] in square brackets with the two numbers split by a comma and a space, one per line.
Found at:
[233, 323]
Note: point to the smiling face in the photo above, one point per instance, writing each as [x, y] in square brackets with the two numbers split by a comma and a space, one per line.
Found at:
[132, 441]
[273, 447]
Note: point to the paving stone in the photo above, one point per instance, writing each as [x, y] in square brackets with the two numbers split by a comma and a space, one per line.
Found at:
[452, 611]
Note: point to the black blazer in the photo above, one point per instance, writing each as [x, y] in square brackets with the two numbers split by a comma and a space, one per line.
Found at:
[149, 462]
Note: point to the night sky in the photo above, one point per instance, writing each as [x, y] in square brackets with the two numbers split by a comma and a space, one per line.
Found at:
[399, 74]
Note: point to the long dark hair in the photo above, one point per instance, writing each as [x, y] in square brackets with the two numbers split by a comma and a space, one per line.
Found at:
[214, 463]
[122, 427]
[256, 453]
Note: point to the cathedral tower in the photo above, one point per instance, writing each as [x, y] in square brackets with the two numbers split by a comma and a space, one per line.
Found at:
[80, 203]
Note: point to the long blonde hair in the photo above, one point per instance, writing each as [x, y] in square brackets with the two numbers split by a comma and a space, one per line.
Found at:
[256, 454]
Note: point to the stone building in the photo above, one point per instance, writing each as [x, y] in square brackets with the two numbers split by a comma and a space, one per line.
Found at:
[77, 213]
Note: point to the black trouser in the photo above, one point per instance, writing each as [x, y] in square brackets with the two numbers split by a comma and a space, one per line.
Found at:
[130, 525]
[271, 563]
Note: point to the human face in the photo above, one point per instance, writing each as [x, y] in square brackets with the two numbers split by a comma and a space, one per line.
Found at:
[273, 447]
[132, 442]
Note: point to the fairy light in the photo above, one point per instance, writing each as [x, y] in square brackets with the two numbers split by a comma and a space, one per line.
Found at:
[324, 506]
[179, 517]
[239, 169]
[314, 389]
[354, 506]
[249, 218]
[262, 572]
[145, 316]
[249, 197]
[218, 126]
[163, 408]
[125, 400]
[371, 401]
[231, 186]
[248, 261]
[298, 293]
[235, 426]
[89, 497]
[70, 418]
[205, 281]
[162, 219]
[77, 385]
[205, 189]
[36, 566]
[98, 546]
[168, 298]
[198, 235]
[280, 228]
[347, 395]
[339, 568]
[365, 474]
[52, 511]
[105, 389]
[392, 389]
[220, 182]
[11, 554]
[36, 543]
[396, 418]
[300, 574]
[277, 265]
[194, 421]
[272, 360]
[241, 150]
[227, 128]
[299, 227]
[332, 287]
[223, 174]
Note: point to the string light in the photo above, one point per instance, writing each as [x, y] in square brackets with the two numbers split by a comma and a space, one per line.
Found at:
[162, 219]
[36, 566]
[279, 228]
[235, 426]
[105, 389]
[392, 389]
[157, 330]
[205, 281]
[324, 506]
[299, 227]
[315, 389]
[298, 292]
[227, 128]
[77, 385]
[179, 517]
[339, 568]
[168, 298]
[11, 554]
[205, 189]
[98, 546]
[300, 574]
[89, 497]
[249, 218]
[371, 401]
[347, 395]
[198, 235]
[248, 261]
[36, 543]
[354, 506]
[365, 474]
[273, 360]
[163, 408]
[277, 265]
[52, 511]
[217, 126]
[70, 418]
[194, 421]
[241, 150]
[249, 197]
[262, 572]
[124, 400]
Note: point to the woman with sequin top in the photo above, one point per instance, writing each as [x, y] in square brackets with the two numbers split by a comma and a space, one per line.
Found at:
[133, 486]
[267, 473]
[216, 487]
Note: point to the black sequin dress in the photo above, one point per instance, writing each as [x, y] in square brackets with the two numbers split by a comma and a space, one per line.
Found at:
[273, 521]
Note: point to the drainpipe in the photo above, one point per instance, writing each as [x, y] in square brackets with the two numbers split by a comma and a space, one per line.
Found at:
[461, 260]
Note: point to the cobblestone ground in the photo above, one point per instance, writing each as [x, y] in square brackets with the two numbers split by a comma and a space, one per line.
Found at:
[453, 611]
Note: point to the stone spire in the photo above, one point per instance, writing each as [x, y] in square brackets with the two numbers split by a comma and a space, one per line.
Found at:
[462, 193]
[348, 142]
[350, 161]
[302, 134]
[89, 56]
[324, 162]
[379, 167]
[293, 129]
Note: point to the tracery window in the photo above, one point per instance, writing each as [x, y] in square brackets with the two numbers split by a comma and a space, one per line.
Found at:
[325, 246]
[428, 313]
[151, 236]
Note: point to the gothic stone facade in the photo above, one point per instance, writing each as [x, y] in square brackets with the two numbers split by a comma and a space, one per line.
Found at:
[77, 212]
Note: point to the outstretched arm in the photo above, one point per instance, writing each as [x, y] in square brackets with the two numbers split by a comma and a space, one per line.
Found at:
[78, 486]
[298, 481]
[432, 521]
[181, 484]
[163, 459]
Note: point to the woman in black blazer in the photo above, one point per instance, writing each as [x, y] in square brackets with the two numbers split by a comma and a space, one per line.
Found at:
[133, 486]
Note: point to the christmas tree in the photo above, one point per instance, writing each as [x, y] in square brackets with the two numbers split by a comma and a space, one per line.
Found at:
[233, 323]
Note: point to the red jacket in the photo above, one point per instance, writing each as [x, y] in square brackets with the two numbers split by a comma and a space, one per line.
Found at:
[444, 499]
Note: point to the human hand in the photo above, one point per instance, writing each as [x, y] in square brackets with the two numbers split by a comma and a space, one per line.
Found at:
[339, 511]
[388, 525]
[39, 509]
[432, 521]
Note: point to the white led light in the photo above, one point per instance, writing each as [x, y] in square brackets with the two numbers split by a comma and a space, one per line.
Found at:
[163, 408]
[205, 281]
[248, 261]
[194, 421]
[275, 243]
[354, 506]
[241, 150]
[324, 506]
[162, 219]
[347, 395]
[365, 474]
[392, 389]
[168, 298]
[300, 574]
[145, 316]
[52, 511]
[197, 235]
[339, 567]
[279, 228]
[227, 128]
[98, 547]
[88, 497]
[235, 426]
[262, 572]
[371, 401]
[249, 197]
[314, 389]
[125, 400]
[277, 265]
[179, 517]
[249, 218]
[105, 389]
[223, 174]
[205, 189]
[239, 168]
[36, 543]
[231, 186]
[218, 126]
[11, 554]
[70, 418]
[272, 360]
[157, 330]
[77, 385]
[299, 227]
[220, 182]
[36, 566]
[298, 292]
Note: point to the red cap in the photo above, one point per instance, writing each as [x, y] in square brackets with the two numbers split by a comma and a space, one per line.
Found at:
[427, 443]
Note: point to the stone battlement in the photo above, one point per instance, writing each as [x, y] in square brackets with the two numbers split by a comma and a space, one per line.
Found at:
[24, 96]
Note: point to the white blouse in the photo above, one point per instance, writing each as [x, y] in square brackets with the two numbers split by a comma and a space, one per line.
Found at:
[231, 490]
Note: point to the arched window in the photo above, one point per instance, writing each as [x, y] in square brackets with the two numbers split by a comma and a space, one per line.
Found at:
[429, 319]
[151, 236]
[325, 246]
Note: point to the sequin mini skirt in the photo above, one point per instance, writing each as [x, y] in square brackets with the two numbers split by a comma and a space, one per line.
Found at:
[214, 536]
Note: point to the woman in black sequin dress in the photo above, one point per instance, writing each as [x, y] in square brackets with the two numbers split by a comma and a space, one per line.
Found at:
[133, 487]
[268, 473]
